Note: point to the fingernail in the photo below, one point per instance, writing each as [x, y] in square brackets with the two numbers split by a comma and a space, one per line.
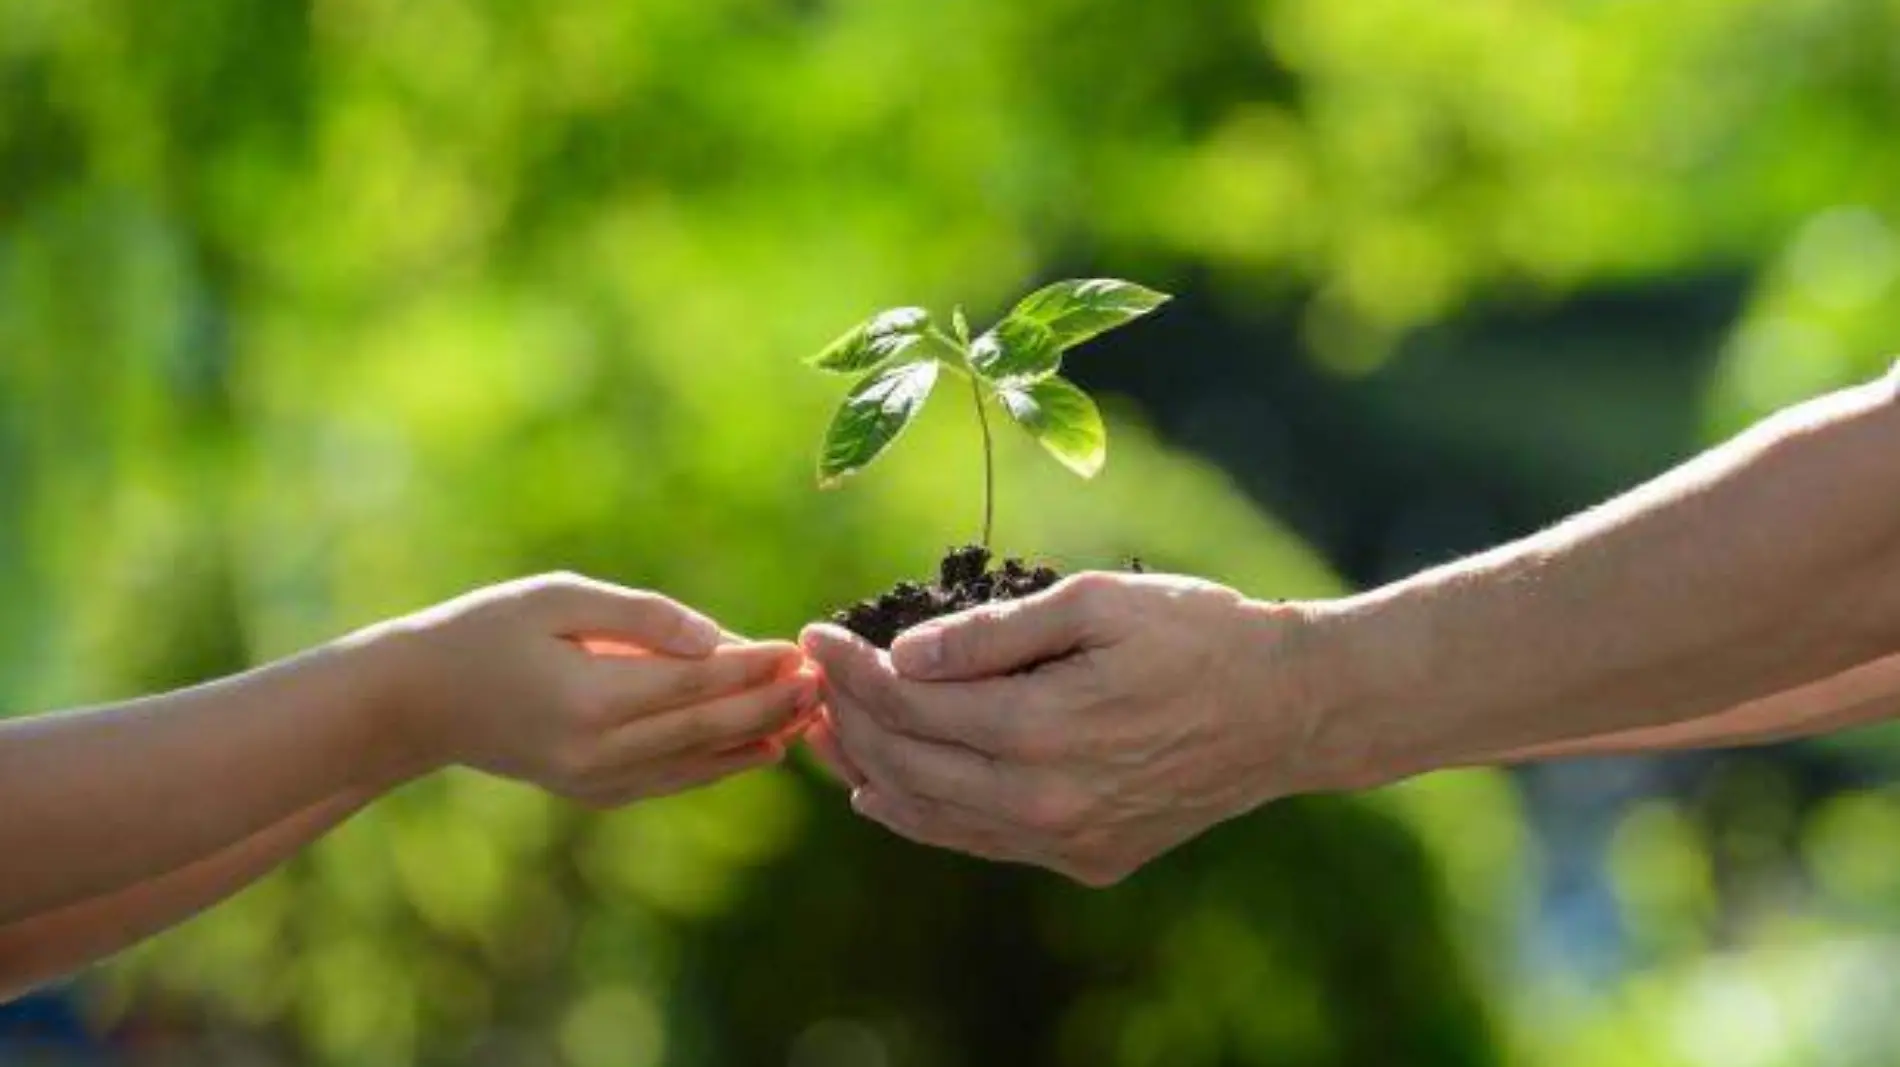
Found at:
[919, 653]
[814, 637]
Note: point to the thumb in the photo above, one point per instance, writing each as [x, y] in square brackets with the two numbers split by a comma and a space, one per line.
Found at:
[995, 639]
[593, 612]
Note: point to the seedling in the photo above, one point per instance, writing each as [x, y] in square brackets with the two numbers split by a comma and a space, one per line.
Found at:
[900, 355]
[1016, 364]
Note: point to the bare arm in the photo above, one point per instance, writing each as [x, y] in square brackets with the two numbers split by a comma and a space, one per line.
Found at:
[54, 944]
[100, 799]
[1748, 595]
[1751, 594]
[118, 821]
[1862, 696]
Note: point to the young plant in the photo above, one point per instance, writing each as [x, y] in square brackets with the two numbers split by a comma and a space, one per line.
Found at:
[901, 353]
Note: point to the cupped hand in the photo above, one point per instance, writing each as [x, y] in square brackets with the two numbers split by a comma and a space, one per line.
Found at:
[1086, 729]
[593, 691]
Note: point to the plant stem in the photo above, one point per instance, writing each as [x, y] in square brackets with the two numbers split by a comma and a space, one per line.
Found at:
[989, 462]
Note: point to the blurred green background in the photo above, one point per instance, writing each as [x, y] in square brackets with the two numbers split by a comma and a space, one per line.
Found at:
[316, 312]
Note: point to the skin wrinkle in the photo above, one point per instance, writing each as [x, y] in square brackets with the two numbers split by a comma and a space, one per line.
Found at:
[1745, 595]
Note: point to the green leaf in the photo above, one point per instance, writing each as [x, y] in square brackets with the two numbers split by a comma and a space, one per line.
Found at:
[1016, 351]
[872, 415]
[1080, 308]
[1064, 419]
[960, 324]
[874, 343]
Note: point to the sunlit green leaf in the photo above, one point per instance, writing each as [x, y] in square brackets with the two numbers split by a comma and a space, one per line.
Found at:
[1078, 309]
[1064, 419]
[872, 416]
[1016, 351]
[876, 342]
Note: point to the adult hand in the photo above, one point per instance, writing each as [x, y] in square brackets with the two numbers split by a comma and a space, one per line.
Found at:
[1086, 729]
[593, 691]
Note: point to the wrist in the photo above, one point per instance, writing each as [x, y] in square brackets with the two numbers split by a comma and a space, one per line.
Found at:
[384, 669]
[1339, 674]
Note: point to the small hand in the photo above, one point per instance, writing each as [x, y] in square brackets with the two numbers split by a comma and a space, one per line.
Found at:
[1087, 729]
[595, 692]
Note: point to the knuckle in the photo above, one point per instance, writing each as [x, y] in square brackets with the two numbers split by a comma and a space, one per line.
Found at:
[524, 593]
[562, 579]
[545, 593]
[662, 617]
[966, 643]
[1091, 592]
[651, 608]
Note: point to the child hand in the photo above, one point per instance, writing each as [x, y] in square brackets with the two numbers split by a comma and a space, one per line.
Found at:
[590, 690]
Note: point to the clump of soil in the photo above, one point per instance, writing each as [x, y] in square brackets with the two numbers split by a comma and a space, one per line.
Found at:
[964, 580]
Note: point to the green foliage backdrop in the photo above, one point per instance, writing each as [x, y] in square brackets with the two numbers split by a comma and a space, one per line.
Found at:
[314, 312]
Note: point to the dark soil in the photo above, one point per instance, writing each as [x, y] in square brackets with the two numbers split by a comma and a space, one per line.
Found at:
[965, 580]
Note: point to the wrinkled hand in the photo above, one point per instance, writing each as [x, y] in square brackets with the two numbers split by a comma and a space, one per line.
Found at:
[596, 692]
[1087, 729]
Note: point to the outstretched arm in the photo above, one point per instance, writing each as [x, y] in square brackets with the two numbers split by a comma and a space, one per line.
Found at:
[1767, 566]
[120, 820]
[1750, 594]
[1861, 696]
[51, 945]
[99, 799]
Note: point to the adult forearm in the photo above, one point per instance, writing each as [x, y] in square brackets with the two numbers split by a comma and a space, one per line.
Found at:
[46, 947]
[1761, 566]
[100, 799]
[1861, 696]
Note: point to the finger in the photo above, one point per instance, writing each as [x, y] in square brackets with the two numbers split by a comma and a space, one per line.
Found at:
[648, 782]
[584, 609]
[789, 734]
[1015, 719]
[852, 667]
[821, 740]
[613, 646]
[634, 688]
[864, 744]
[909, 820]
[844, 658]
[948, 774]
[718, 725]
[995, 716]
[996, 639]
